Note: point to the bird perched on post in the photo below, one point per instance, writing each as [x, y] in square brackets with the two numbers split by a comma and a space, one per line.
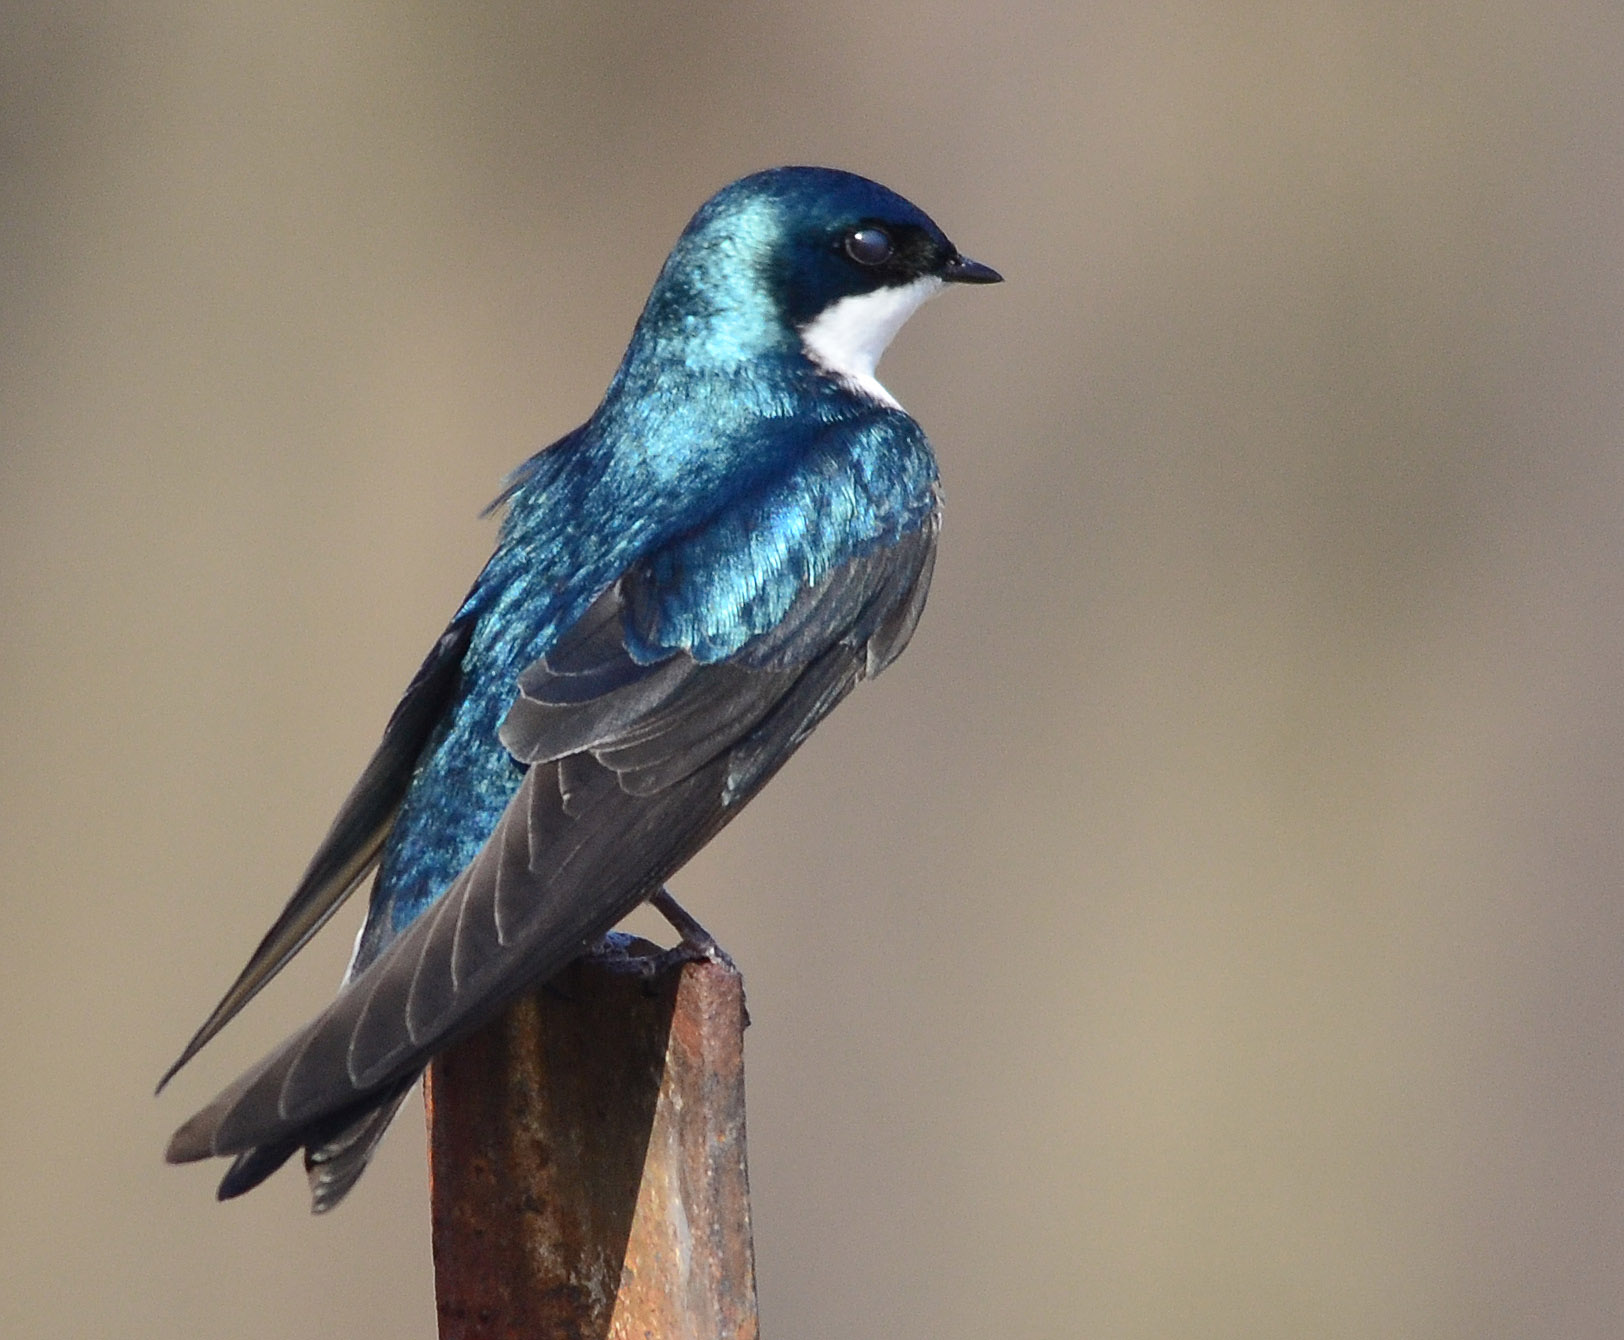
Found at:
[683, 588]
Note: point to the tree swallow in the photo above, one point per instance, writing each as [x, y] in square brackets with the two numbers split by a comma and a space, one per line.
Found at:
[682, 589]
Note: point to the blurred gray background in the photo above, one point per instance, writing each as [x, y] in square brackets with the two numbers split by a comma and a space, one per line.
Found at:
[1211, 928]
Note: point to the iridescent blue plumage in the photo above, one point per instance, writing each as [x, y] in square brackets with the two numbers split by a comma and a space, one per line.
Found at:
[714, 419]
[847, 488]
[681, 589]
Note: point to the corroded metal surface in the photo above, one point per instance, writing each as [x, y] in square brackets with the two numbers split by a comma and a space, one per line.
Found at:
[587, 1160]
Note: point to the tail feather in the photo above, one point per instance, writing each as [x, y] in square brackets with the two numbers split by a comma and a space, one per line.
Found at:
[334, 1165]
[337, 1151]
[253, 1166]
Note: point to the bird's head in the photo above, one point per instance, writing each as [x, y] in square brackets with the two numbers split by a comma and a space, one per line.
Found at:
[799, 263]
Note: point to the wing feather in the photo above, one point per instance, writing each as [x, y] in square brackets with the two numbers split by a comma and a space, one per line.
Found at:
[351, 847]
[633, 767]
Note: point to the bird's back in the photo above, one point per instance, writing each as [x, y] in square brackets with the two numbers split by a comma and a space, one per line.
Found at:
[716, 573]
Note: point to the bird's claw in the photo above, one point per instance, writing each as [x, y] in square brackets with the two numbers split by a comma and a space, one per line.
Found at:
[698, 945]
[686, 952]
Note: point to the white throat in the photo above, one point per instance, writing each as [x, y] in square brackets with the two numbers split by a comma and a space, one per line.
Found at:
[847, 337]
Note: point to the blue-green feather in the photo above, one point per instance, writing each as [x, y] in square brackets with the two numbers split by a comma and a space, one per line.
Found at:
[720, 460]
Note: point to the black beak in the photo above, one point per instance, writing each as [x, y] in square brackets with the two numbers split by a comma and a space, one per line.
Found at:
[962, 270]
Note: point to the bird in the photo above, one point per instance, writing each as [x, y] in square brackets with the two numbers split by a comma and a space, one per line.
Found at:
[681, 589]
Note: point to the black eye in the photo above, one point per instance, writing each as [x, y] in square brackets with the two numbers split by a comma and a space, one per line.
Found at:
[869, 246]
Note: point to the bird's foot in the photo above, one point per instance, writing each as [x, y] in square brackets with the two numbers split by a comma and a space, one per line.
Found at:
[698, 945]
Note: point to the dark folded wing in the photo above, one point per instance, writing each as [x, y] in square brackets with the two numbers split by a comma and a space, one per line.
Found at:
[632, 768]
[352, 844]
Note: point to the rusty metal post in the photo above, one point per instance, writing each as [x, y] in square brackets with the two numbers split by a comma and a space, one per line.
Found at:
[587, 1161]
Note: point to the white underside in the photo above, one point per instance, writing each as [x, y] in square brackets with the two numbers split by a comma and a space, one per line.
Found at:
[847, 337]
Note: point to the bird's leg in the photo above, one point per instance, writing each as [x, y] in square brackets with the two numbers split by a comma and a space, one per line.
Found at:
[698, 944]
